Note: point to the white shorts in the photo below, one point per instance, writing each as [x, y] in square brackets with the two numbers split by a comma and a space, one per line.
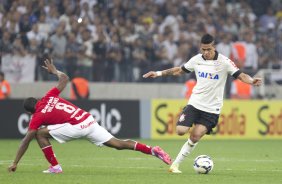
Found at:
[88, 129]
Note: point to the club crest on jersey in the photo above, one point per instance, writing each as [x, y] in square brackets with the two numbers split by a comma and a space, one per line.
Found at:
[182, 118]
[208, 75]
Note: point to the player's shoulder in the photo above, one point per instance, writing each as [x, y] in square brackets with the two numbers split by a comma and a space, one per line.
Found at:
[223, 58]
[37, 116]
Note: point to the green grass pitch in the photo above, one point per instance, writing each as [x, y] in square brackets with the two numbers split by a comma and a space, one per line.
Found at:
[238, 162]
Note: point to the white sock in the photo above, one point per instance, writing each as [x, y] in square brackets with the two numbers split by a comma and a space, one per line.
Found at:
[186, 149]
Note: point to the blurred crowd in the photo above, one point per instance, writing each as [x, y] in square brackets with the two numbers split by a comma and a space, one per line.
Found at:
[119, 40]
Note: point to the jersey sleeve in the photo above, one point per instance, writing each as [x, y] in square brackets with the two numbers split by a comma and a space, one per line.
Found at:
[188, 66]
[232, 68]
[53, 92]
[35, 122]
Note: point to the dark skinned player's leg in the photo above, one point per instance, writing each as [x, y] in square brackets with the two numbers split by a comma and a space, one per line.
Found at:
[122, 144]
[42, 137]
[133, 145]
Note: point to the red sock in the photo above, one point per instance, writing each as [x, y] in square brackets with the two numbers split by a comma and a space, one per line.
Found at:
[143, 148]
[50, 156]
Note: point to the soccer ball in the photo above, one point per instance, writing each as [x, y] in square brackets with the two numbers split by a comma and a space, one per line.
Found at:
[203, 164]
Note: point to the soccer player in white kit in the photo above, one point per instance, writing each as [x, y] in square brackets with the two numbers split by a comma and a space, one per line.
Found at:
[64, 122]
[204, 106]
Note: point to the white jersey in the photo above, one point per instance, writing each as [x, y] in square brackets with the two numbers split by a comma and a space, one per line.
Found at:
[211, 75]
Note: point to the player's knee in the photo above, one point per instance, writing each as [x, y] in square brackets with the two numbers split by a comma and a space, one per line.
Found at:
[195, 138]
[43, 132]
[181, 131]
[38, 135]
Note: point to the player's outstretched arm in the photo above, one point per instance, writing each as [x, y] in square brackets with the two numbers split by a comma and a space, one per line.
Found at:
[249, 80]
[63, 78]
[22, 149]
[176, 71]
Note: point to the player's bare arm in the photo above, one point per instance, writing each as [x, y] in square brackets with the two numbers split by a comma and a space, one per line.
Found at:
[63, 78]
[176, 71]
[22, 149]
[249, 80]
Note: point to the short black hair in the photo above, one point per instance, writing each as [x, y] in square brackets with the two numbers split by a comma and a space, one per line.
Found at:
[29, 104]
[207, 39]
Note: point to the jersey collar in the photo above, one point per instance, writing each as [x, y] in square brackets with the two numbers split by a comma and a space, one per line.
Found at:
[215, 56]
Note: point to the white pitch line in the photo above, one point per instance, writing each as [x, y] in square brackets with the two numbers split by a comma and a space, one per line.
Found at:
[142, 167]
[246, 160]
[115, 167]
[130, 167]
[158, 168]
[101, 158]
[250, 170]
[152, 158]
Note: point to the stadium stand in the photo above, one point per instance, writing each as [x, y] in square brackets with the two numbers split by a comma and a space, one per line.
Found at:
[119, 40]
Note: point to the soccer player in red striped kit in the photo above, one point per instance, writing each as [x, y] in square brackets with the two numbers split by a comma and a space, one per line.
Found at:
[64, 122]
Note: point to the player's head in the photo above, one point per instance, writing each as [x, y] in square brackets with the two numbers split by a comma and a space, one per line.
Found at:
[2, 76]
[207, 46]
[29, 104]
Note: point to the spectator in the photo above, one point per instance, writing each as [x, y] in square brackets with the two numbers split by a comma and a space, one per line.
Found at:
[278, 51]
[18, 47]
[25, 24]
[73, 49]
[59, 43]
[79, 88]
[171, 21]
[5, 89]
[225, 46]
[266, 52]
[251, 62]
[85, 62]
[12, 22]
[35, 34]
[189, 85]
[6, 44]
[240, 90]
[116, 25]
[86, 11]
[268, 19]
[239, 54]
[100, 49]
[46, 51]
[170, 46]
[43, 27]
[230, 26]
[140, 61]
[66, 17]
[52, 18]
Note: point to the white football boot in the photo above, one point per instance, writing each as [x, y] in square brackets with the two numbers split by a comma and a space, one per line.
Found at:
[174, 169]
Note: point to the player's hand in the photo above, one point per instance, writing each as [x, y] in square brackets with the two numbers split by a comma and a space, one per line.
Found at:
[151, 74]
[257, 81]
[49, 66]
[12, 168]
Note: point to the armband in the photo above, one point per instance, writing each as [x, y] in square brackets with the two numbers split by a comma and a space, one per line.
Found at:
[159, 73]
